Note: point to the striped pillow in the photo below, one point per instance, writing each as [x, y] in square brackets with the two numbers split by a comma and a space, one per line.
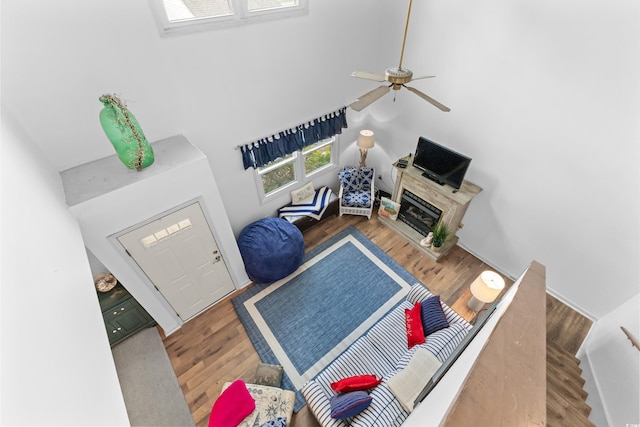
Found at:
[349, 404]
[433, 318]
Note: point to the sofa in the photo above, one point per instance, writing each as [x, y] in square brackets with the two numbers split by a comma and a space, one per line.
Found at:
[384, 352]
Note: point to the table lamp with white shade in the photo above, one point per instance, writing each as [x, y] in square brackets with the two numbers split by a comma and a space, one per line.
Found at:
[365, 143]
[485, 289]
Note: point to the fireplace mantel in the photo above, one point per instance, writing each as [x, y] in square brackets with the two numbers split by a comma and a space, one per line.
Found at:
[452, 203]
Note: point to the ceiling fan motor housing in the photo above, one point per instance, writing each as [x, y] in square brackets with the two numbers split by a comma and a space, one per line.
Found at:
[398, 76]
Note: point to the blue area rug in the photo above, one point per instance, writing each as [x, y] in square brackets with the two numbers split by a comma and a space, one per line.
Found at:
[310, 317]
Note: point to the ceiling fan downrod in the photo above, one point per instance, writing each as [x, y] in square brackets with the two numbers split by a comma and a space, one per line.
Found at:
[404, 38]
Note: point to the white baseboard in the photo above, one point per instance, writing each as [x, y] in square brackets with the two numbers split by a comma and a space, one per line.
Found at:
[573, 306]
[514, 276]
[493, 266]
[598, 414]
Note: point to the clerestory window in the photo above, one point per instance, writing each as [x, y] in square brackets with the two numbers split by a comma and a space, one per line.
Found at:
[184, 16]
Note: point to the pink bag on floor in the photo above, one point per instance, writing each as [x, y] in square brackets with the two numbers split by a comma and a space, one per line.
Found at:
[232, 406]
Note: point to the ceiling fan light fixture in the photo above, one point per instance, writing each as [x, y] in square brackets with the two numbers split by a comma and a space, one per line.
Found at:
[396, 76]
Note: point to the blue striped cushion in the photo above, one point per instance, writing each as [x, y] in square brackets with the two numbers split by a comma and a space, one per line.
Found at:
[389, 335]
[361, 357]
[385, 410]
[433, 318]
[441, 344]
[419, 292]
[319, 404]
[349, 405]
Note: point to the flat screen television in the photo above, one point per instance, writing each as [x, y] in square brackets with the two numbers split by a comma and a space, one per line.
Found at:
[440, 164]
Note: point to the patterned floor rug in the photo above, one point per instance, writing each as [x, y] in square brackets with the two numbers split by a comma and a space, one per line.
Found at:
[307, 319]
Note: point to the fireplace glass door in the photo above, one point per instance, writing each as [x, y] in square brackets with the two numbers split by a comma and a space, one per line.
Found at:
[419, 214]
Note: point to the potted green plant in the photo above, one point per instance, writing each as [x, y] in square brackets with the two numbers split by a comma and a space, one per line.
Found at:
[440, 235]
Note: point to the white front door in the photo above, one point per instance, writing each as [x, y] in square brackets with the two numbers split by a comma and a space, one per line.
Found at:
[180, 256]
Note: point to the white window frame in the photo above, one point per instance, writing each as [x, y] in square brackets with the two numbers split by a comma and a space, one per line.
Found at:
[241, 15]
[300, 176]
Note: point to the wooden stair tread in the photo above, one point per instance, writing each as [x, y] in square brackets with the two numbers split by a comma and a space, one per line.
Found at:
[573, 396]
[561, 352]
[562, 413]
[562, 359]
[564, 420]
[560, 373]
[566, 396]
[567, 388]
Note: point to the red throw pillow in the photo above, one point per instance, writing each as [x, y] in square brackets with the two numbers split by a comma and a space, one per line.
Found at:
[413, 323]
[355, 383]
[232, 406]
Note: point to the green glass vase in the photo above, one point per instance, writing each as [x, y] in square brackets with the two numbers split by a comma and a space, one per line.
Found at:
[125, 134]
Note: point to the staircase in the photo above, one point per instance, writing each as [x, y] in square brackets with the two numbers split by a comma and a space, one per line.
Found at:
[565, 394]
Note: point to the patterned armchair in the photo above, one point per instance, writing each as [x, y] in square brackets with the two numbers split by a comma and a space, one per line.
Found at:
[356, 191]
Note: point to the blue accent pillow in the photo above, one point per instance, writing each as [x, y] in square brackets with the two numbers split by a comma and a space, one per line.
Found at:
[433, 318]
[356, 179]
[349, 405]
[277, 422]
[349, 179]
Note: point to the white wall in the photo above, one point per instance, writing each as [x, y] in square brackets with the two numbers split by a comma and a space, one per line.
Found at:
[219, 89]
[545, 99]
[613, 365]
[56, 364]
[180, 175]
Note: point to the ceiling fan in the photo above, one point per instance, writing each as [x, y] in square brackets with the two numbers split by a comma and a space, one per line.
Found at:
[396, 76]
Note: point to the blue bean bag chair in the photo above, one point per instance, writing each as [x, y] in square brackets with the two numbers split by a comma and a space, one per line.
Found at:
[271, 248]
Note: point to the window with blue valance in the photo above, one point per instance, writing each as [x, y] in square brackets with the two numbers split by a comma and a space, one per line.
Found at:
[262, 152]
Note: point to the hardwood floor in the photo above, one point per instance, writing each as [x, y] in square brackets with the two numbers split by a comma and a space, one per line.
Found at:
[214, 348]
[566, 398]
[565, 327]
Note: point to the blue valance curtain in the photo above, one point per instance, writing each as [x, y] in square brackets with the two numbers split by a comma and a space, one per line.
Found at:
[261, 152]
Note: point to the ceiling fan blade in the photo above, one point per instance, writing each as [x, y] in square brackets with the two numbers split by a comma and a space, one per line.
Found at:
[369, 97]
[429, 99]
[368, 76]
[422, 77]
